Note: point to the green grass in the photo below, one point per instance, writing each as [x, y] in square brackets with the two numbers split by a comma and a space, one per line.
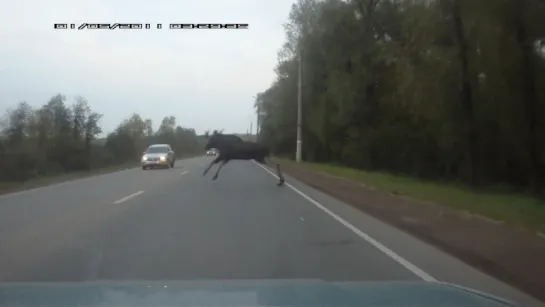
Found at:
[514, 209]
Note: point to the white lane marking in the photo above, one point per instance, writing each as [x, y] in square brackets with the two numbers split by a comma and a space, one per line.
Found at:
[128, 197]
[302, 219]
[409, 266]
[184, 172]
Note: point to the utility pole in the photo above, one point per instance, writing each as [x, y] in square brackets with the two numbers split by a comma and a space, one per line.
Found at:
[299, 109]
[251, 124]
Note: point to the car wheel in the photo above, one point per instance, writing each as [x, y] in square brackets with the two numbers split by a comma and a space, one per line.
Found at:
[144, 168]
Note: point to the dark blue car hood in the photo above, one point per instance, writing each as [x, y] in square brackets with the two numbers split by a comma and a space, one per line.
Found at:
[242, 293]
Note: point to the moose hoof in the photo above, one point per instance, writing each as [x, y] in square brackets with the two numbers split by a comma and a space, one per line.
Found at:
[215, 177]
[280, 183]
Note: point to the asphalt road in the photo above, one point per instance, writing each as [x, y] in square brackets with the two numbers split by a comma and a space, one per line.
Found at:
[177, 224]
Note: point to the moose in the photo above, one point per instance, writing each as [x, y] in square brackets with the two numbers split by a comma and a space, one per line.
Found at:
[232, 147]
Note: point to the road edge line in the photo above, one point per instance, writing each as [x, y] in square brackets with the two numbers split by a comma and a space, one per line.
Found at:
[390, 253]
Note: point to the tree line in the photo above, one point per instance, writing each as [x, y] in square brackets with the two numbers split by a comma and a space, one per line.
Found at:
[441, 89]
[59, 138]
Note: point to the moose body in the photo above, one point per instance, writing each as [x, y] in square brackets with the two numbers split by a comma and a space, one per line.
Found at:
[232, 147]
[244, 151]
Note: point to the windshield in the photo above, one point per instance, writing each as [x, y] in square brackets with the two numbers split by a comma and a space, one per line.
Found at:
[152, 150]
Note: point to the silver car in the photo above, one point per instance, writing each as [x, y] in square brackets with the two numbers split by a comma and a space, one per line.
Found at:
[158, 155]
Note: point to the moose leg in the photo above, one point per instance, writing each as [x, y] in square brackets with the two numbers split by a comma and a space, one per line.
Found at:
[218, 171]
[278, 171]
[279, 174]
[211, 163]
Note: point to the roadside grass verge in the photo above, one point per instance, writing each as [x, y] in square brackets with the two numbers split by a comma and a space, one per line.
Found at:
[515, 209]
[11, 187]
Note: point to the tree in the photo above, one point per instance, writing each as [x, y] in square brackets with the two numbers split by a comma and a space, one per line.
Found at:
[56, 139]
[433, 88]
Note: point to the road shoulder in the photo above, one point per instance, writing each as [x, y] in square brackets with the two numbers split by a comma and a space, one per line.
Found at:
[511, 255]
[34, 183]
[7, 188]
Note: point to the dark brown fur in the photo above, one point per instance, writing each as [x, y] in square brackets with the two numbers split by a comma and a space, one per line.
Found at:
[231, 147]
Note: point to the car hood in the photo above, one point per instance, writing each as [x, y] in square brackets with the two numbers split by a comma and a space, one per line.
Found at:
[243, 293]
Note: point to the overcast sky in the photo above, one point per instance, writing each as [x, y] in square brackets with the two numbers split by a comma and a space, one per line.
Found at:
[206, 78]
